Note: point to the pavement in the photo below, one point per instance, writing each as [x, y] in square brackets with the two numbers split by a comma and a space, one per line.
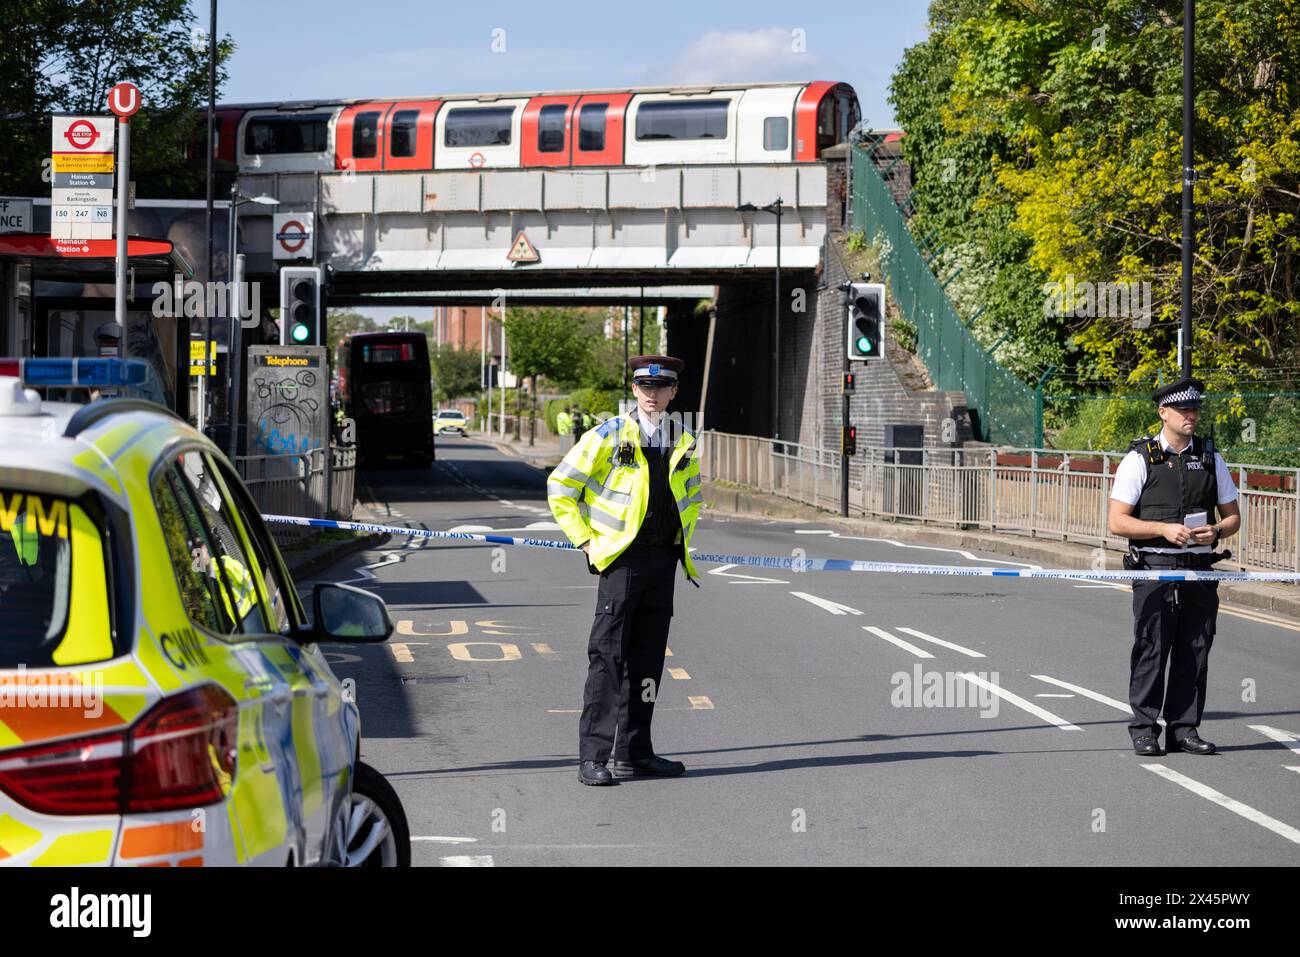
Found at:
[825, 718]
[721, 498]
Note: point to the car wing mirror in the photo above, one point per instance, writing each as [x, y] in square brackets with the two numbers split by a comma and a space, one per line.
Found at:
[348, 613]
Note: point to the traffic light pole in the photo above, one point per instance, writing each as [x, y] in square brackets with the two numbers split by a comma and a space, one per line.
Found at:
[844, 413]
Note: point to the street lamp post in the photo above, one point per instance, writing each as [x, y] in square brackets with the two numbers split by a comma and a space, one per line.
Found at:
[234, 343]
[773, 207]
[1189, 181]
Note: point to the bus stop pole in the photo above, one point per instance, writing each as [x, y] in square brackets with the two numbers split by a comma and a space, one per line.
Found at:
[123, 184]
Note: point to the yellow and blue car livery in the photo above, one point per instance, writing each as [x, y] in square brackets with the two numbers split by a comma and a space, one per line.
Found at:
[159, 705]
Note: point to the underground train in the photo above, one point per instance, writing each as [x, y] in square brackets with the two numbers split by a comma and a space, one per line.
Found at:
[651, 126]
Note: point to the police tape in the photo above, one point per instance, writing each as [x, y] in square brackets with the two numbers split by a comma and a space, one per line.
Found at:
[797, 565]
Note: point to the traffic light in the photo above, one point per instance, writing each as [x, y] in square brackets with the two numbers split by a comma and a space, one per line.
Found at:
[866, 320]
[849, 440]
[300, 306]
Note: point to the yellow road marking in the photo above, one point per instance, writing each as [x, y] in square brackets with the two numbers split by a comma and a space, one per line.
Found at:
[461, 651]
[679, 674]
[668, 652]
[1260, 618]
[402, 650]
[545, 650]
[700, 703]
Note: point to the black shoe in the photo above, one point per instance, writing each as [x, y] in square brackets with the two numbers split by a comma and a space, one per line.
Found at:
[651, 767]
[1192, 744]
[1147, 746]
[595, 773]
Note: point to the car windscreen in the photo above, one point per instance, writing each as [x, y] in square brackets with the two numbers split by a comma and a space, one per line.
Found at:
[54, 570]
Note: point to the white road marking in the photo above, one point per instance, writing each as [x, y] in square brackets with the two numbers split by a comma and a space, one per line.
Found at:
[834, 607]
[881, 633]
[722, 572]
[1285, 738]
[532, 526]
[970, 653]
[929, 548]
[1232, 804]
[1292, 767]
[1020, 702]
[438, 839]
[1094, 695]
[797, 531]
[1048, 694]
[473, 529]
[468, 860]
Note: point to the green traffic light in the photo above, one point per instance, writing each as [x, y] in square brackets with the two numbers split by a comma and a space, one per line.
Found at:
[299, 333]
[864, 344]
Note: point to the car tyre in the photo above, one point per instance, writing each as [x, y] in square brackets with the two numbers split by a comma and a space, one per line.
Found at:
[375, 830]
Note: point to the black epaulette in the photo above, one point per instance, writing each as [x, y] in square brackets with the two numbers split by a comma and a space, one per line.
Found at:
[1149, 448]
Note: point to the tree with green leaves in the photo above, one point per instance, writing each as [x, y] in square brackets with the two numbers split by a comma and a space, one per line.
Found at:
[549, 341]
[456, 372]
[63, 56]
[1045, 141]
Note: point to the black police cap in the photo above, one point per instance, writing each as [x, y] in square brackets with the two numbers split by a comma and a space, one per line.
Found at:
[1184, 392]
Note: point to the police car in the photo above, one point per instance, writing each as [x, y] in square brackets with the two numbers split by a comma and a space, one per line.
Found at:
[164, 700]
[449, 420]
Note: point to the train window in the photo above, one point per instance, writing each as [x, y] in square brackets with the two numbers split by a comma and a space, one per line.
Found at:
[365, 137]
[776, 136]
[825, 126]
[682, 120]
[488, 126]
[550, 131]
[402, 140]
[591, 129]
[302, 133]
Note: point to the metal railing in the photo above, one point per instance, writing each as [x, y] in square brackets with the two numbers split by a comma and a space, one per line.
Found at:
[305, 484]
[1059, 495]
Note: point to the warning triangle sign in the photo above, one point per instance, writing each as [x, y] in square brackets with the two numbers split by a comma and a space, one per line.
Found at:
[523, 251]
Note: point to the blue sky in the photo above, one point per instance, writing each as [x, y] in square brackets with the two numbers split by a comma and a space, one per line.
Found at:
[291, 49]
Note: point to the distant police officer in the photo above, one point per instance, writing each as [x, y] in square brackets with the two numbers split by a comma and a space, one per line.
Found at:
[564, 428]
[1164, 499]
[629, 494]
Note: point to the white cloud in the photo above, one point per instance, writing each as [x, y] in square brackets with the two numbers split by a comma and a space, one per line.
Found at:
[748, 56]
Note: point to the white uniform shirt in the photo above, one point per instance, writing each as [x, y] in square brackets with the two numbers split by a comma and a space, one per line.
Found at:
[1132, 475]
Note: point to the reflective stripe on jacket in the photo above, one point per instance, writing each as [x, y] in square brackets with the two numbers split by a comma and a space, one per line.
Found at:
[594, 498]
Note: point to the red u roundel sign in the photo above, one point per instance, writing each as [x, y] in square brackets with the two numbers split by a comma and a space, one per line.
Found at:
[124, 99]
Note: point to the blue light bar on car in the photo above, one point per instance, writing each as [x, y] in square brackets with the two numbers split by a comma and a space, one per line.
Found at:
[88, 373]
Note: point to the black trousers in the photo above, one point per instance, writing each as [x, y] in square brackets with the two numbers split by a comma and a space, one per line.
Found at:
[1173, 622]
[634, 607]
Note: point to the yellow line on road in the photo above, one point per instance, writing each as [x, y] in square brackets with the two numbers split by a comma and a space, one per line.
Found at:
[700, 703]
[545, 650]
[679, 674]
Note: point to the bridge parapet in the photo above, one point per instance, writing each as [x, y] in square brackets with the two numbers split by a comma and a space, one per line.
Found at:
[645, 219]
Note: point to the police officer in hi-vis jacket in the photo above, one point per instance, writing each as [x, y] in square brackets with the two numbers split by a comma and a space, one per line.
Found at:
[629, 495]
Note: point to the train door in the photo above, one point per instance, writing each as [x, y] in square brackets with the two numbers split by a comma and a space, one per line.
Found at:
[359, 137]
[409, 132]
[546, 131]
[764, 125]
[599, 126]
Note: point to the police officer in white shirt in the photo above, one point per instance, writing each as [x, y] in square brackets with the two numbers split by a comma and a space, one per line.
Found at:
[1166, 492]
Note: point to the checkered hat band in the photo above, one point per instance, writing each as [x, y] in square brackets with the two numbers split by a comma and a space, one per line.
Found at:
[654, 372]
[1177, 398]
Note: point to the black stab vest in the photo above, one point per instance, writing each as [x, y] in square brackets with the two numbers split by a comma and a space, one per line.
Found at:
[1173, 489]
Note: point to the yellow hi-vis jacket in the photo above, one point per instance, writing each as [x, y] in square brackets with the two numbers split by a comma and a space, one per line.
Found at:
[594, 498]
